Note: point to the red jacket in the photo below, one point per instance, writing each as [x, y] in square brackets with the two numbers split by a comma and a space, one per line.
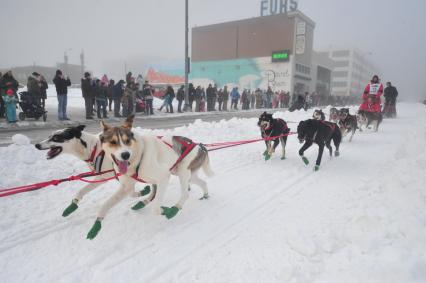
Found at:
[371, 97]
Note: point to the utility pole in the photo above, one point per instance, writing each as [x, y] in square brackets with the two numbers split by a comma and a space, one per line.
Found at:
[187, 107]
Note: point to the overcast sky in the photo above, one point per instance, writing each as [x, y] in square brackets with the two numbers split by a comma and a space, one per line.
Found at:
[136, 31]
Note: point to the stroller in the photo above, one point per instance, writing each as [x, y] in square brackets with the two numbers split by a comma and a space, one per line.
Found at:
[30, 107]
[140, 105]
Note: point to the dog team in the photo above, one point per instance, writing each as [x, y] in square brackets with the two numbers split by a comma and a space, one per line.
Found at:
[132, 157]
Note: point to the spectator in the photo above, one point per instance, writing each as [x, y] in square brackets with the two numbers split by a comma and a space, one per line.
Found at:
[269, 94]
[88, 94]
[43, 91]
[235, 96]
[197, 98]
[214, 97]
[191, 95]
[244, 100]
[168, 99]
[252, 99]
[61, 85]
[8, 82]
[390, 94]
[129, 78]
[148, 96]
[225, 98]
[33, 87]
[10, 102]
[109, 94]
[2, 108]
[259, 98]
[220, 98]
[180, 97]
[117, 95]
[140, 82]
[209, 96]
[101, 95]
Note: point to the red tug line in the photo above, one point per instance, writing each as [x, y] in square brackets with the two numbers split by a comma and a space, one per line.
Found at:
[82, 177]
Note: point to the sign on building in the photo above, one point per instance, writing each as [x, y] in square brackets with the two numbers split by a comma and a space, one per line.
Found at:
[273, 7]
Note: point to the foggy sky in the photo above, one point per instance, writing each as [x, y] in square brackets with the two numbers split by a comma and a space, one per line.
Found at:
[149, 31]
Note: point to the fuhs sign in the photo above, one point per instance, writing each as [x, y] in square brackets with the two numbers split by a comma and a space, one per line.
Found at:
[272, 7]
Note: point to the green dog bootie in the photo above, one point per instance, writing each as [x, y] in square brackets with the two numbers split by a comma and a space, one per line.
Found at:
[95, 230]
[267, 156]
[305, 160]
[139, 205]
[169, 212]
[145, 191]
[70, 209]
[316, 168]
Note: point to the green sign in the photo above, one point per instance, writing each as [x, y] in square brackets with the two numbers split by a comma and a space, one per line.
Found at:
[280, 56]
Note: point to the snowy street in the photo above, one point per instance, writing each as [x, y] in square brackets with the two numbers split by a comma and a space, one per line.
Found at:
[360, 218]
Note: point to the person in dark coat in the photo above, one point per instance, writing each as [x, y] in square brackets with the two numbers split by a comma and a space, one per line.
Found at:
[209, 95]
[2, 107]
[61, 85]
[148, 95]
[390, 94]
[101, 94]
[225, 98]
[34, 87]
[117, 94]
[110, 94]
[43, 91]
[197, 98]
[180, 97]
[220, 99]
[87, 91]
[191, 94]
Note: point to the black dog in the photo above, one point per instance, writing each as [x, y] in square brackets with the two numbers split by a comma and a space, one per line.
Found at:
[319, 132]
[347, 123]
[367, 118]
[270, 127]
[318, 115]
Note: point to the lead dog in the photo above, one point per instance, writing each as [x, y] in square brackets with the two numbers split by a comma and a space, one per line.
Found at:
[152, 160]
[347, 123]
[319, 132]
[270, 127]
[334, 115]
[86, 147]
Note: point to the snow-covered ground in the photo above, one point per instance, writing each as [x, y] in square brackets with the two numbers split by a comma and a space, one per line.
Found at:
[361, 218]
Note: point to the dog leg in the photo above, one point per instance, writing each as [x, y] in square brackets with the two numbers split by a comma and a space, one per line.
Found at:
[201, 183]
[79, 196]
[161, 189]
[330, 149]
[352, 135]
[283, 144]
[268, 153]
[320, 152]
[116, 198]
[303, 149]
[141, 204]
[184, 177]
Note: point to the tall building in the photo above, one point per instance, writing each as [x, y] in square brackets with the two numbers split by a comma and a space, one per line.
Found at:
[351, 71]
[269, 51]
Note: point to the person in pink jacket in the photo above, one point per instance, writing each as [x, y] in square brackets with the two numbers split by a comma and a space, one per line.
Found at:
[371, 101]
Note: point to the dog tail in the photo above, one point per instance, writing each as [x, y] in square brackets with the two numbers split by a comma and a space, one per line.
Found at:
[201, 161]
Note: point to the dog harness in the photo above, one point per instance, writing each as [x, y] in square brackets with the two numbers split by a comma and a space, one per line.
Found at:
[331, 126]
[283, 125]
[95, 161]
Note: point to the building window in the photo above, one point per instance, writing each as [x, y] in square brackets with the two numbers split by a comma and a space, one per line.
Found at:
[340, 53]
[340, 74]
[341, 63]
[339, 84]
[303, 69]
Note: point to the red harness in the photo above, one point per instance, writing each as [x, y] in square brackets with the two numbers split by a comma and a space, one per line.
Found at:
[330, 125]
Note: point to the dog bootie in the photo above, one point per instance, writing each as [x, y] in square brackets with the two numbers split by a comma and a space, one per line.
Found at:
[316, 168]
[145, 191]
[170, 212]
[305, 160]
[267, 156]
[139, 205]
[206, 196]
[95, 230]
[336, 153]
[70, 209]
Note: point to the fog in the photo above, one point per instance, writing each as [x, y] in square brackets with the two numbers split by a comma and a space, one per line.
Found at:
[152, 32]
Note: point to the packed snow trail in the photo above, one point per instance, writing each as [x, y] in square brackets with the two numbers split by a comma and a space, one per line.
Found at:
[361, 218]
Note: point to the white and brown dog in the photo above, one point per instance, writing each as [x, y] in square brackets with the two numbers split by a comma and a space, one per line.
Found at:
[152, 160]
[86, 147]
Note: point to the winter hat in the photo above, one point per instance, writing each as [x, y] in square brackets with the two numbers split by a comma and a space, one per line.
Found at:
[35, 74]
[58, 72]
[86, 74]
[9, 92]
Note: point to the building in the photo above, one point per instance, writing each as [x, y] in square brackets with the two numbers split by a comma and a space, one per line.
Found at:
[275, 51]
[322, 67]
[351, 71]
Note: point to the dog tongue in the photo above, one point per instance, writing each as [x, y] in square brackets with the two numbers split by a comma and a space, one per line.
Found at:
[122, 166]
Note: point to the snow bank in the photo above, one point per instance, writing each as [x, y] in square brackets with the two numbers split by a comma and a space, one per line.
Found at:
[361, 218]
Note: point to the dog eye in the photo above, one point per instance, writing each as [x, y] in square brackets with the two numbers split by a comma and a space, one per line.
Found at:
[113, 142]
[127, 142]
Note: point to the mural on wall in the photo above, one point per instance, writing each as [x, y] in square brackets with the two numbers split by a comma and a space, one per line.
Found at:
[245, 73]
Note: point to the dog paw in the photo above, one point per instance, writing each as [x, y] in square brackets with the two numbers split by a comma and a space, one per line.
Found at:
[336, 153]
[305, 160]
[138, 206]
[169, 212]
[70, 209]
[95, 230]
[282, 157]
[206, 196]
[267, 156]
[145, 191]
[316, 168]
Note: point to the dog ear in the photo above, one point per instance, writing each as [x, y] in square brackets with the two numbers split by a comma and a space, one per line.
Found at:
[104, 126]
[80, 128]
[129, 122]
